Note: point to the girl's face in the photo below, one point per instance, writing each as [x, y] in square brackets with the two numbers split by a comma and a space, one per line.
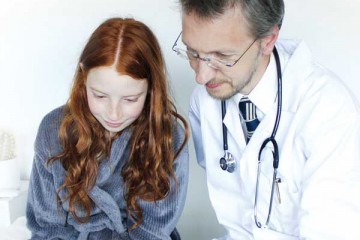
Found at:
[115, 100]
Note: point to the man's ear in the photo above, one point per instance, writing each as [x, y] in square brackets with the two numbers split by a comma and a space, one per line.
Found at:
[268, 42]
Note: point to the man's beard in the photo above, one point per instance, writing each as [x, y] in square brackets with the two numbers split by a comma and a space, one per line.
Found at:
[238, 88]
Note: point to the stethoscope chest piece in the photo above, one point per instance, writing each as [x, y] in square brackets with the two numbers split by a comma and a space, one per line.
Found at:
[228, 163]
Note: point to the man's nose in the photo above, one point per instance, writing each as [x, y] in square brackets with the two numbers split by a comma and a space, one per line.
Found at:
[204, 73]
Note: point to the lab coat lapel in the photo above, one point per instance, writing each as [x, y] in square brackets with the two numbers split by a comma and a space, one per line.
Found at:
[296, 70]
[233, 124]
[250, 156]
[246, 155]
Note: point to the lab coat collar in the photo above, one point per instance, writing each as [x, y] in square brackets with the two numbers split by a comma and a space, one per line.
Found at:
[296, 64]
[265, 92]
[266, 89]
[295, 59]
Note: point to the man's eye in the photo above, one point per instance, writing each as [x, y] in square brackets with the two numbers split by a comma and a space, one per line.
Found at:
[192, 55]
[222, 56]
[192, 52]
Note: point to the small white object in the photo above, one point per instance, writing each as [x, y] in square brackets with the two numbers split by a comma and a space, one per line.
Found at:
[9, 178]
[9, 168]
[16, 231]
[12, 208]
[7, 145]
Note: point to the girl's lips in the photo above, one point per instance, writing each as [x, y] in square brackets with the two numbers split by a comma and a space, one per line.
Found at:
[113, 125]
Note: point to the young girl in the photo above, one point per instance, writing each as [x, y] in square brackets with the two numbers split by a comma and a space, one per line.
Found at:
[112, 163]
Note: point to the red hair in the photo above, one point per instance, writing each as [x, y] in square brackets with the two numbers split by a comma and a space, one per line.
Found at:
[133, 49]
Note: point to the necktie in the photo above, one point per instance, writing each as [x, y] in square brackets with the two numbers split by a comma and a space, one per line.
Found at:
[248, 112]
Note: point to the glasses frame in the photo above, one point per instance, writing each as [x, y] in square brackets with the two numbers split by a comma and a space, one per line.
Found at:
[208, 59]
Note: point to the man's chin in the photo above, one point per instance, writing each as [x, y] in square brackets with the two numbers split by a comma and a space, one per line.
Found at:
[220, 95]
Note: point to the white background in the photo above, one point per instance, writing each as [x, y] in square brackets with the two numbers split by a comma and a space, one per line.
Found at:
[41, 40]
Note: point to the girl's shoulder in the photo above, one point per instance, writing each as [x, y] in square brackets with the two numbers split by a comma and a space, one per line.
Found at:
[178, 132]
[178, 128]
[53, 118]
[48, 132]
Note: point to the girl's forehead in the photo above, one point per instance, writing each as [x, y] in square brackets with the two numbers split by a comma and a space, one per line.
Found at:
[108, 80]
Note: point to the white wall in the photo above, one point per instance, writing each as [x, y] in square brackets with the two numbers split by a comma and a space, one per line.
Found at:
[40, 42]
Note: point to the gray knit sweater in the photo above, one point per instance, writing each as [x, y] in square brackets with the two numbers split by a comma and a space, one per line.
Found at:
[109, 220]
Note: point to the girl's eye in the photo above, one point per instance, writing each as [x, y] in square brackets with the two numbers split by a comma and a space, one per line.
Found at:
[99, 96]
[131, 99]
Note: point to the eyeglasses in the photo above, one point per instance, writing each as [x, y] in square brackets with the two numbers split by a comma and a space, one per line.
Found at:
[218, 63]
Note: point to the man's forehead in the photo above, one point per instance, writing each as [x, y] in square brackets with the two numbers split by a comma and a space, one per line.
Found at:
[228, 28]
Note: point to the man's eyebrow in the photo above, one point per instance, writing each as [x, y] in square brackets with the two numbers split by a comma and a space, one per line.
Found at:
[223, 52]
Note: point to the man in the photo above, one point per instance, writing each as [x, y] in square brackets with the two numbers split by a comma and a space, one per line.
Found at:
[312, 133]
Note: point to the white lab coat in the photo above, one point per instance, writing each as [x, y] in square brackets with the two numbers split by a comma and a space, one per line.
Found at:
[319, 142]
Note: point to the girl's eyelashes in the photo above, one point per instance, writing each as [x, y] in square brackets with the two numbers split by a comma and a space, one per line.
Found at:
[131, 99]
[99, 96]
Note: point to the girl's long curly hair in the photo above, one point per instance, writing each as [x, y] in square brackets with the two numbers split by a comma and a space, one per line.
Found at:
[134, 50]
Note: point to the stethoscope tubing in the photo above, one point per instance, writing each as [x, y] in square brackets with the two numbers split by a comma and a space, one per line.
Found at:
[276, 149]
[224, 129]
[263, 145]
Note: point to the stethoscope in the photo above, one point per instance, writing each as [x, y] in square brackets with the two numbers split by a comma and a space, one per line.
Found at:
[228, 162]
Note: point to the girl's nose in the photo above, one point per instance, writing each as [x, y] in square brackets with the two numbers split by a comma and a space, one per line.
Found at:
[114, 112]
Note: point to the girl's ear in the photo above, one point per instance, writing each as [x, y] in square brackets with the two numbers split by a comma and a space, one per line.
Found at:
[81, 65]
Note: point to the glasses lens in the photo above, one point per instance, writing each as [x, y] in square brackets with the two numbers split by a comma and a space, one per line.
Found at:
[221, 65]
[182, 53]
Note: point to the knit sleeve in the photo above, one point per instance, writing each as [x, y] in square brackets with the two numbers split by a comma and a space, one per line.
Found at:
[45, 219]
[160, 217]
